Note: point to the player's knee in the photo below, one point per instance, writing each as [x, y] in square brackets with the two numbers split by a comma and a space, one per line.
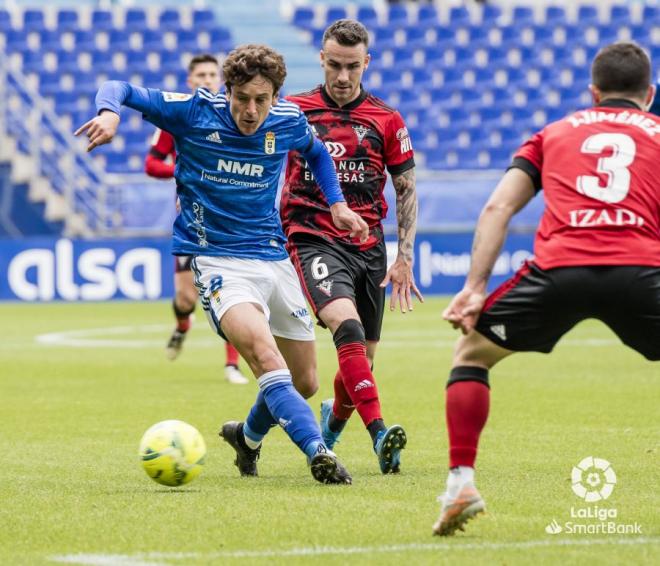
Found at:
[185, 301]
[307, 384]
[473, 350]
[263, 357]
[181, 307]
[468, 373]
[348, 332]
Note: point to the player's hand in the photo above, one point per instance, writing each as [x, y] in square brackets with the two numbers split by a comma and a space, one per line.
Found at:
[464, 309]
[345, 219]
[100, 129]
[401, 276]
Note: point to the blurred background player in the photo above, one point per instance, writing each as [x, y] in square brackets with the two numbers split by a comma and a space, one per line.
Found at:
[248, 286]
[203, 71]
[345, 279]
[596, 253]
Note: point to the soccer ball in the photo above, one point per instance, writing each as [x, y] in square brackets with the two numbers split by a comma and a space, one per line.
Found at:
[172, 452]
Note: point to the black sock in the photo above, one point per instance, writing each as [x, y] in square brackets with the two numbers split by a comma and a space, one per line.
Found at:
[335, 424]
[374, 427]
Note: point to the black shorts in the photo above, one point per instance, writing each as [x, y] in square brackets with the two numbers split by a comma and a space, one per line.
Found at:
[329, 271]
[536, 307]
[182, 263]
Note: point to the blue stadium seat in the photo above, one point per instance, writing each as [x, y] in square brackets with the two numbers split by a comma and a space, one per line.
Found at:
[522, 16]
[365, 14]
[484, 78]
[49, 40]
[608, 33]
[153, 79]
[203, 20]
[152, 40]
[169, 20]
[510, 35]
[33, 20]
[138, 61]
[620, 15]
[339, 13]
[490, 14]
[651, 14]
[555, 15]
[49, 83]
[16, 41]
[397, 15]
[500, 158]
[119, 39]
[33, 61]
[587, 15]
[5, 21]
[66, 102]
[67, 20]
[543, 36]
[303, 17]
[471, 99]
[170, 61]
[102, 20]
[85, 40]
[221, 39]
[187, 40]
[422, 79]
[85, 81]
[102, 61]
[427, 16]
[459, 15]
[136, 20]
[415, 36]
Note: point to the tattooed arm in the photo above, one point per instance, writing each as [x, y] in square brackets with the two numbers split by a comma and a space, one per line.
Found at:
[512, 193]
[400, 274]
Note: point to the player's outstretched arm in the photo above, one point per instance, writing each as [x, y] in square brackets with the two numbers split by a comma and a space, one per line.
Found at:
[513, 192]
[323, 169]
[100, 130]
[400, 274]
[109, 100]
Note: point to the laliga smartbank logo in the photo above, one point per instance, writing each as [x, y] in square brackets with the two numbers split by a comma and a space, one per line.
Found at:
[592, 480]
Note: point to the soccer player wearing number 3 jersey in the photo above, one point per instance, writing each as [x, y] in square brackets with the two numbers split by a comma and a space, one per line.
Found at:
[596, 253]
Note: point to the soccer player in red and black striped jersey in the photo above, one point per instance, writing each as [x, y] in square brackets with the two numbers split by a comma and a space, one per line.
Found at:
[203, 71]
[597, 253]
[344, 279]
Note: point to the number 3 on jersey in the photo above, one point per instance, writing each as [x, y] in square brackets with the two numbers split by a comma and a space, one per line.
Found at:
[614, 166]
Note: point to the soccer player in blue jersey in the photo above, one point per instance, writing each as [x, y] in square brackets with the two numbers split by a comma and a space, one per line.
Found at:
[231, 149]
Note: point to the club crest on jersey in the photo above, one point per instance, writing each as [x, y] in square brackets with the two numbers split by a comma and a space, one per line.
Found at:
[176, 96]
[326, 287]
[404, 139]
[269, 143]
[360, 131]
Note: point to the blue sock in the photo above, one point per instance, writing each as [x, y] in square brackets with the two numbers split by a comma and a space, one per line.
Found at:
[290, 410]
[259, 421]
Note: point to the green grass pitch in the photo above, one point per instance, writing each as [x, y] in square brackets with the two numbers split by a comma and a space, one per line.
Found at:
[80, 384]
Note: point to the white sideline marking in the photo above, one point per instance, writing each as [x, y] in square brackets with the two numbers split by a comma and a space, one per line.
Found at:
[155, 558]
[93, 338]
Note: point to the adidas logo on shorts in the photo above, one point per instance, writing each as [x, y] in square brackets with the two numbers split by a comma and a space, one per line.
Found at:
[499, 330]
[363, 385]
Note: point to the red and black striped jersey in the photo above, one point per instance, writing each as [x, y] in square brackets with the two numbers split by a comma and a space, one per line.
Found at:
[365, 138]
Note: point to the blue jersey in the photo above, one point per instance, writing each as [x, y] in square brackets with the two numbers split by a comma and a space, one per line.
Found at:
[226, 181]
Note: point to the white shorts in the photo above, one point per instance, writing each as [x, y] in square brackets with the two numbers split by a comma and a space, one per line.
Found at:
[273, 285]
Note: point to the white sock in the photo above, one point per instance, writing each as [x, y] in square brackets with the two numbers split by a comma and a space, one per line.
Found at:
[252, 445]
[458, 477]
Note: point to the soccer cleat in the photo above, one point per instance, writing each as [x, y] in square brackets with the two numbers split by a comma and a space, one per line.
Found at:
[234, 376]
[388, 446]
[326, 468]
[174, 345]
[246, 459]
[330, 438]
[458, 510]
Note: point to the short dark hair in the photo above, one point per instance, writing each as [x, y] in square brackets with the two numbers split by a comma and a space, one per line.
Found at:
[199, 59]
[247, 61]
[347, 33]
[622, 68]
